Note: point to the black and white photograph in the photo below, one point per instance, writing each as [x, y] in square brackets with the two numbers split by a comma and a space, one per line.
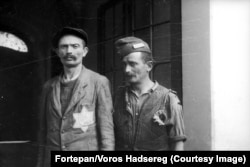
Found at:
[124, 75]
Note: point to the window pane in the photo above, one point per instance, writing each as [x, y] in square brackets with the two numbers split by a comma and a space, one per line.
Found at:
[117, 58]
[119, 19]
[118, 79]
[144, 35]
[142, 13]
[161, 11]
[109, 23]
[12, 42]
[110, 77]
[162, 74]
[108, 56]
[161, 42]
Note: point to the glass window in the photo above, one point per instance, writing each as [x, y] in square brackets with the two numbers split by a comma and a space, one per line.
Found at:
[158, 23]
[109, 23]
[119, 19]
[162, 74]
[108, 55]
[144, 34]
[11, 41]
[110, 76]
[161, 11]
[117, 63]
[118, 79]
[161, 42]
[142, 13]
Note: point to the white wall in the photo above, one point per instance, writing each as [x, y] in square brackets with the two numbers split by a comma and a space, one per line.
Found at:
[216, 74]
[230, 74]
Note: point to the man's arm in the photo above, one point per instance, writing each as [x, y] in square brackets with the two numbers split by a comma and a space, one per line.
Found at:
[177, 146]
[104, 115]
[177, 130]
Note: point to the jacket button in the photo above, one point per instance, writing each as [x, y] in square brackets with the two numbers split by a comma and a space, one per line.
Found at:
[62, 131]
[63, 147]
[64, 118]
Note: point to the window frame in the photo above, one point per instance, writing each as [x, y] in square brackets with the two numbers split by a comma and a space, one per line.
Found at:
[174, 22]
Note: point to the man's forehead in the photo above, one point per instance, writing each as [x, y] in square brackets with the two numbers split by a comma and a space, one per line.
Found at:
[135, 56]
[70, 39]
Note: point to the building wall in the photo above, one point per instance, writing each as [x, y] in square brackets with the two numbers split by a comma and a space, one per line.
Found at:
[216, 74]
[196, 74]
[230, 74]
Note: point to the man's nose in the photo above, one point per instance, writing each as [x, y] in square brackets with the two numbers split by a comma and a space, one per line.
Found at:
[127, 69]
[69, 49]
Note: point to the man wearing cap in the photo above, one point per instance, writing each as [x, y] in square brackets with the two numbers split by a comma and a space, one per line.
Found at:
[147, 115]
[76, 105]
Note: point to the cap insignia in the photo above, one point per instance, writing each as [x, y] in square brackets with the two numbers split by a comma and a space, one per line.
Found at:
[138, 45]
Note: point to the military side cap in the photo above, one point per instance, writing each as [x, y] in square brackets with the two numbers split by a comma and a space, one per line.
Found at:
[69, 31]
[127, 45]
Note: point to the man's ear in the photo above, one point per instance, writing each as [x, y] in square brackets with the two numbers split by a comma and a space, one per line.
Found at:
[86, 50]
[149, 65]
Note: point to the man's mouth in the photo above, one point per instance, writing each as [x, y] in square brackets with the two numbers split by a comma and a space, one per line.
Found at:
[129, 76]
[69, 57]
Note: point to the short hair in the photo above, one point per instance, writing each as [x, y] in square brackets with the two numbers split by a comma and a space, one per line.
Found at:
[147, 57]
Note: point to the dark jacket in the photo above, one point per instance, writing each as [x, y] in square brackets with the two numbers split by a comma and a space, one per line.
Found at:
[145, 133]
[87, 123]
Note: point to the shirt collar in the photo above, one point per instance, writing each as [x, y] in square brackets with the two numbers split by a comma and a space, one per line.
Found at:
[64, 81]
[151, 90]
[154, 87]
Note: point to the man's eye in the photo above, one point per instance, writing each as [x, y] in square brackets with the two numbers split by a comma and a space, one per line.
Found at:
[63, 47]
[75, 46]
[132, 64]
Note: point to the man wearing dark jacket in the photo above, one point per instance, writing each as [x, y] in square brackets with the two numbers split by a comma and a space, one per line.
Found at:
[147, 115]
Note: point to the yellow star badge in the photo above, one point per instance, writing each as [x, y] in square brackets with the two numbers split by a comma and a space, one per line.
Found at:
[83, 119]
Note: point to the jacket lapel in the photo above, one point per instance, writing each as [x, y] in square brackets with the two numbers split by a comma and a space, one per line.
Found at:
[55, 94]
[151, 103]
[128, 107]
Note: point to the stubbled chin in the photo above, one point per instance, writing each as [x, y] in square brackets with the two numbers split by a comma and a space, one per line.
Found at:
[131, 80]
[70, 65]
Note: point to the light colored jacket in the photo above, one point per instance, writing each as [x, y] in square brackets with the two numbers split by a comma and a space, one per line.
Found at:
[87, 123]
